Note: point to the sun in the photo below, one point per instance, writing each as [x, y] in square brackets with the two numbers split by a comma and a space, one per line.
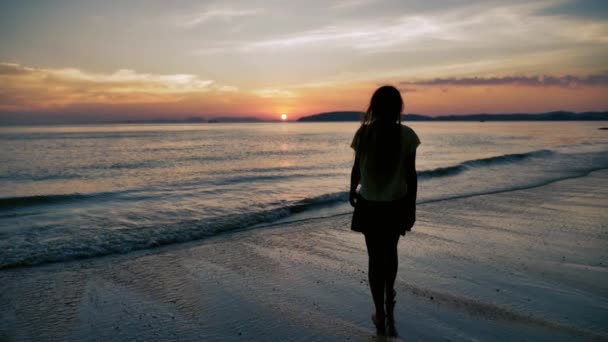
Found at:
[283, 117]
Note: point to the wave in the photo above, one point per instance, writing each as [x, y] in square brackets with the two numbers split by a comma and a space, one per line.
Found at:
[78, 136]
[490, 161]
[17, 202]
[8, 203]
[119, 241]
[272, 177]
[88, 244]
[14, 202]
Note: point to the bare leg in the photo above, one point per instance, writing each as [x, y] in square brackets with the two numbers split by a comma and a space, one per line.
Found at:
[377, 276]
[392, 265]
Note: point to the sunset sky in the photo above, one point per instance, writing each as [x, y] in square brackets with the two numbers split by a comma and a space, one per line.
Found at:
[113, 60]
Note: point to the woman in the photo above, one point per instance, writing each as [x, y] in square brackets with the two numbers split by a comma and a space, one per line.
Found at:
[385, 207]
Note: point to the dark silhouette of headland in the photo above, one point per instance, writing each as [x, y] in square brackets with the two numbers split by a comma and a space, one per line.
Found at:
[549, 116]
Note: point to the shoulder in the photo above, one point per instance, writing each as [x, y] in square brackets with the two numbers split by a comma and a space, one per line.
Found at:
[408, 132]
[355, 142]
[359, 132]
[409, 136]
[407, 129]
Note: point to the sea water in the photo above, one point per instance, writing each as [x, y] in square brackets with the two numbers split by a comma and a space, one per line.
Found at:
[69, 192]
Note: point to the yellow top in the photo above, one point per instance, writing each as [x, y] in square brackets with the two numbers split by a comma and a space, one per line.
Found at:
[394, 185]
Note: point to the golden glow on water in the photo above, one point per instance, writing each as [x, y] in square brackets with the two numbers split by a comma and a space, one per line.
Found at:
[140, 183]
[306, 158]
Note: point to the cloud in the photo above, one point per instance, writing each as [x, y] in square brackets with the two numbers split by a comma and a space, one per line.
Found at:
[586, 9]
[567, 81]
[274, 92]
[123, 80]
[230, 89]
[474, 31]
[350, 4]
[13, 69]
[215, 14]
[25, 87]
[362, 37]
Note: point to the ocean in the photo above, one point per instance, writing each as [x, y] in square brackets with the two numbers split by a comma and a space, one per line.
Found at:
[71, 192]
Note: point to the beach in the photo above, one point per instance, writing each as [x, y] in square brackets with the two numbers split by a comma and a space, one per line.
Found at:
[527, 264]
[188, 171]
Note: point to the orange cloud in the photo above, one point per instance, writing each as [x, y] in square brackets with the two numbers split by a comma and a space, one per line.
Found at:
[127, 94]
[26, 88]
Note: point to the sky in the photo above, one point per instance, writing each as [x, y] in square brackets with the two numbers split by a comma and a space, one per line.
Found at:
[113, 60]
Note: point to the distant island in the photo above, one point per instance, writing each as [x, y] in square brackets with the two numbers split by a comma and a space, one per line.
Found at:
[550, 116]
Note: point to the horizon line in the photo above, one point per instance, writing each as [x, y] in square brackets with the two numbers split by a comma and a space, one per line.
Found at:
[198, 119]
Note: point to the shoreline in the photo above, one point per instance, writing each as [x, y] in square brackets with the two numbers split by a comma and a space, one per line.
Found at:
[493, 266]
[154, 248]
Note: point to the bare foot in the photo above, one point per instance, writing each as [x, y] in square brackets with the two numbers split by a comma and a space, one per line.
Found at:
[380, 323]
[390, 313]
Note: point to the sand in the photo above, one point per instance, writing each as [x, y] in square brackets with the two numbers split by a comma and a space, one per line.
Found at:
[522, 265]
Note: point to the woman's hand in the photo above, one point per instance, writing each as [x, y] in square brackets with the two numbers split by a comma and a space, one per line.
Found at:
[411, 219]
[355, 178]
[412, 189]
[352, 198]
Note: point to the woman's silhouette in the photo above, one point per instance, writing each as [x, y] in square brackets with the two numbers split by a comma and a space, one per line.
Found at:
[385, 207]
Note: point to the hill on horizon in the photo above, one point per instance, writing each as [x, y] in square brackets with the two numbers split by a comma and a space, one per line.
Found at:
[549, 116]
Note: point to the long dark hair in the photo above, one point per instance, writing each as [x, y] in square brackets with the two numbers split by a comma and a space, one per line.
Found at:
[384, 107]
[380, 131]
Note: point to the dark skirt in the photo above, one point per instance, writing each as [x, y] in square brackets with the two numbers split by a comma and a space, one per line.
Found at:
[372, 217]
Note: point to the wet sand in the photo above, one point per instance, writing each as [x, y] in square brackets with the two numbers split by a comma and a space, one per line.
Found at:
[520, 265]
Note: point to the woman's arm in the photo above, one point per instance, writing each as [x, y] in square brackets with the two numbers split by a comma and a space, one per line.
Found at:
[412, 189]
[355, 178]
